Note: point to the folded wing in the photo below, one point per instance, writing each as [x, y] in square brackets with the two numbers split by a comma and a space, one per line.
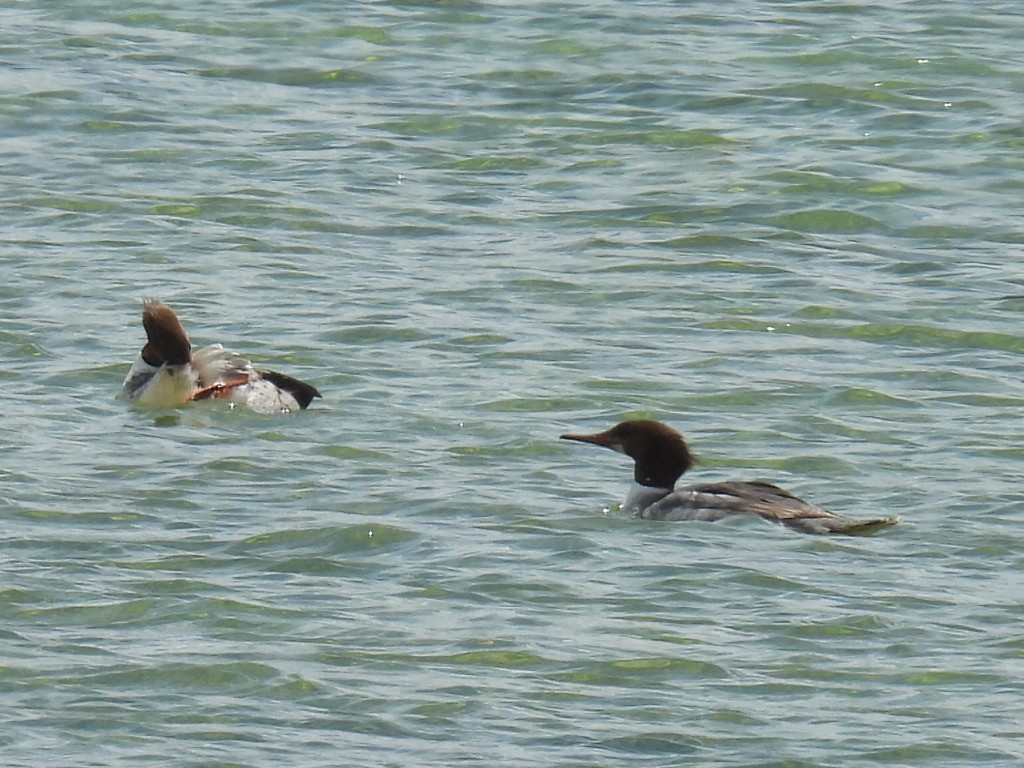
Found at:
[715, 501]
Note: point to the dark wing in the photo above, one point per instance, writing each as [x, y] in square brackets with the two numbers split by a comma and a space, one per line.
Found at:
[300, 390]
[714, 501]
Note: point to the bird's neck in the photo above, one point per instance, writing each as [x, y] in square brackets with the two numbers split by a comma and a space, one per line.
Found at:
[642, 496]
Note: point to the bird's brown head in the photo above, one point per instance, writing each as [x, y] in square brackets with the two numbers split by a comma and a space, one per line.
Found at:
[167, 341]
[660, 453]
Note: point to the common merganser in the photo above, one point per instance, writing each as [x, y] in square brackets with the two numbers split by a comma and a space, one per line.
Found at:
[661, 456]
[167, 373]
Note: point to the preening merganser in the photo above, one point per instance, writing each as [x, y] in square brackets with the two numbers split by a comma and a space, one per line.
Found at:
[661, 456]
[167, 373]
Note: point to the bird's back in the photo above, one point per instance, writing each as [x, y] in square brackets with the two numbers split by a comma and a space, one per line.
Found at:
[715, 501]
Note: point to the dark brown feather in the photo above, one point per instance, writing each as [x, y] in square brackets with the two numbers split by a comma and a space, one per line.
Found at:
[167, 340]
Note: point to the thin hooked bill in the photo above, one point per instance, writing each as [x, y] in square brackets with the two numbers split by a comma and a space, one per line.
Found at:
[601, 438]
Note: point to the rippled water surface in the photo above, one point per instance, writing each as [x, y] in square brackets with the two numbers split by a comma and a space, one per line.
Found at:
[791, 229]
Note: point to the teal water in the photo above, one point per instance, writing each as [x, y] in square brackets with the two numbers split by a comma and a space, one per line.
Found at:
[790, 229]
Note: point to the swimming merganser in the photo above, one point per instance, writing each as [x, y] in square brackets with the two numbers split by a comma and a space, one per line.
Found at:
[166, 373]
[661, 456]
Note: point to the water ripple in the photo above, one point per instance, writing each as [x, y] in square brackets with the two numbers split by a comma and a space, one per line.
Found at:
[476, 227]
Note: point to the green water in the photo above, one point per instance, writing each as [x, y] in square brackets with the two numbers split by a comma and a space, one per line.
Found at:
[792, 230]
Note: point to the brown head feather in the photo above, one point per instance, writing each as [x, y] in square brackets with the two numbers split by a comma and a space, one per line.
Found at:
[660, 453]
[167, 340]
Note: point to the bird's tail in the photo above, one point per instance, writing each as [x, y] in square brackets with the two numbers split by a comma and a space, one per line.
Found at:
[835, 524]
